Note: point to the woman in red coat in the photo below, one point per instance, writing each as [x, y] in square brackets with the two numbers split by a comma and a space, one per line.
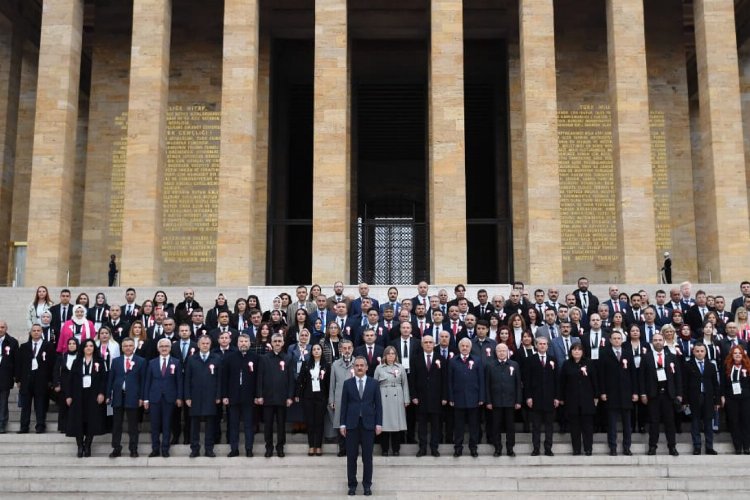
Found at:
[77, 327]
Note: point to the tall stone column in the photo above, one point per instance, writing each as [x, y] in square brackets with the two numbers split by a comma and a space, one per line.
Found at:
[631, 141]
[447, 160]
[147, 143]
[331, 153]
[539, 131]
[54, 156]
[235, 261]
[260, 231]
[722, 225]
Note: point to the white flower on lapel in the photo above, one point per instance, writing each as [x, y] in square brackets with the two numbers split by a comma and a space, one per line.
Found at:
[251, 366]
[211, 367]
[282, 364]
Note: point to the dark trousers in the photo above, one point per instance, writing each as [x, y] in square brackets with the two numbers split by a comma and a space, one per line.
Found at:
[242, 412]
[433, 420]
[701, 419]
[503, 419]
[539, 417]
[738, 414]
[446, 424]
[181, 423]
[40, 402]
[314, 411]
[485, 416]
[357, 437]
[275, 413]
[4, 395]
[390, 440]
[161, 419]
[581, 429]
[661, 409]
[411, 424]
[221, 412]
[623, 416]
[639, 416]
[62, 412]
[118, 415]
[195, 433]
[461, 416]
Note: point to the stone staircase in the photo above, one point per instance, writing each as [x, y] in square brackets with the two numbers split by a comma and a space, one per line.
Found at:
[45, 464]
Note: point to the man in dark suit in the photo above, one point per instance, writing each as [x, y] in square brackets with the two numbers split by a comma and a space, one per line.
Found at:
[371, 323]
[361, 421]
[275, 393]
[370, 350]
[125, 394]
[541, 389]
[466, 394]
[696, 314]
[660, 384]
[392, 302]
[202, 394]
[619, 383]
[429, 393]
[740, 301]
[197, 327]
[63, 311]
[338, 296]
[321, 312]
[586, 301]
[34, 366]
[614, 304]
[116, 324]
[130, 310]
[634, 314]
[223, 327]
[731, 340]
[8, 353]
[239, 383]
[702, 396]
[504, 396]
[422, 297]
[182, 350]
[184, 310]
[162, 390]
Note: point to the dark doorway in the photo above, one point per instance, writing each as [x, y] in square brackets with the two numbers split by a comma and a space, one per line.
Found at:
[291, 163]
[389, 127]
[488, 203]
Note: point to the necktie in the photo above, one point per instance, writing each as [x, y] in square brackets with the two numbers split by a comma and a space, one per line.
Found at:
[184, 350]
[650, 333]
[406, 350]
[660, 361]
[445, 353]
[595, 343]
[421, 326]
[637, 314]
[429, 362]
[127, 365]
[616, 305]
[369, 354]
[36, 348]
[703, 312]
[203, 356]
[163, 367]
[361, 388]
[661, 311]
[455, 327]
[481, 310]
[700, 365]
[388, 325]
[617, 353]
[539, 308]
[64, 313]
[543, 360]
[567, 345]
[585, 301]
[552, 332]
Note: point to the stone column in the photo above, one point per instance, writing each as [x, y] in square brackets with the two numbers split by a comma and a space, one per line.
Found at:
[10, 81]
[235, 261]
[147, 143]
[54, 156]
[539, 132]
[260, 230]
[447, 162]
[331, 158]
[722, 227]
[631, 141]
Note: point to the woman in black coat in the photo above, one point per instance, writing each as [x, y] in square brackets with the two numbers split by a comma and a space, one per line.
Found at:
[312, 390]
[87, 381]
[636, 346]
[60, 379]
[579, 389]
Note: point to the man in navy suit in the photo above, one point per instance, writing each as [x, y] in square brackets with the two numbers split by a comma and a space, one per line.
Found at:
[202, 395]
[322, 312]
[238, 393]
[357, 305]
[162, 391]
[8, 352]
[361, 420]
[124, 394]
[466, 394]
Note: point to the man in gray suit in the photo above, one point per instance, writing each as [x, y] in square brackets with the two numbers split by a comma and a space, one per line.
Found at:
[549, 329]
[302, 302]
[341, 370]
[504, 396]
[560, 346]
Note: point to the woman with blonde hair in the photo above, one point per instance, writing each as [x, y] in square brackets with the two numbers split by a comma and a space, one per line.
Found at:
[394, 395]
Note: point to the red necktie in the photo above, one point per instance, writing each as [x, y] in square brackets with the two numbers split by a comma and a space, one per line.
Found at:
[369, 354]
[660, 361]
[163, 367]
[455, 327]
[429, 362]
[421, 327]
[127, 364]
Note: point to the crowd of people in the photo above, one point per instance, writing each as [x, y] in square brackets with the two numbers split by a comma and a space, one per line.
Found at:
[444, 366]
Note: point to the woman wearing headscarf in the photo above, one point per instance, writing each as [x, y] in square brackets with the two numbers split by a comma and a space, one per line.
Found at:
[77, 327]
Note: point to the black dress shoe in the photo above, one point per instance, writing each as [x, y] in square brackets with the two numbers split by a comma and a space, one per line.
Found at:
[280, 454]
[738, 452]
[696, 451]
[210, 454]
[396, 453]
[368, 492]
[133, 454]
[535, 452]
[41, 431]
[268, 453]
[497, 453]
[165, 453]
[80, 452]
[384, 453]
[549, 453]
[575, 453]
[175, 440]
[421, 453]
[457, 453]
[341, 453]
[588, 453]
[474, 453]
[186, 441]
[435, 453]
[711, 451]
[3, 431]
[651, 450]
[194, 454]
[673, 452]
[115, 454]
[746, 452]
[627, 452]
[249, 453]
[510, 453]
[153, 454]
[23, 431]
[612, 452]
[352, 492]
[233, 453]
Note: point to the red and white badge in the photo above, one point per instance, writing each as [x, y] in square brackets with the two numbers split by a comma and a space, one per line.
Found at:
[96, 367]
[322, 374]
[625, 363]
[282, 364]
[437, 363]
[171, 369]
[488, 351]
[211, 367]
[250, 365]
[471, 364]
[671, 366]
[584, 371]
[552, 364]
